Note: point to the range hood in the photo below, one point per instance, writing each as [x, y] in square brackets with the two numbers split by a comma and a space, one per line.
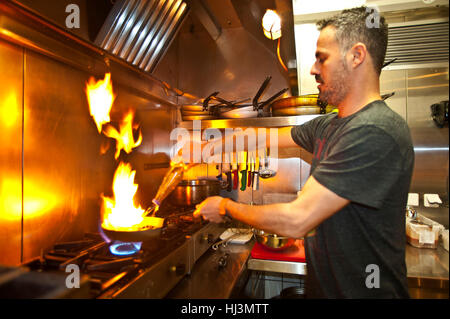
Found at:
[140, 31]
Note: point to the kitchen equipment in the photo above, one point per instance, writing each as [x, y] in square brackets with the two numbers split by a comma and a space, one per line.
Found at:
[235, 174]
[192, 192]
[198, 117]
[292, 111]
[194, 113]
[295, 101]
[384, 97]
[273, 241]
[439, 113]
[192, 108]
[423, 232]
[260, 106]
[265, 172]
[250, 172]
[168, 184]
[239, 113]
[244, 171]
[255, 183]
[134, 236]
[295, 253]
[389, 62]
[150, 270]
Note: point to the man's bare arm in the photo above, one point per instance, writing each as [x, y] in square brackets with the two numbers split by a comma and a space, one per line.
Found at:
[295, 219]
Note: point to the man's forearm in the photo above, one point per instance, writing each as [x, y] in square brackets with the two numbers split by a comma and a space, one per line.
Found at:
[284, 223]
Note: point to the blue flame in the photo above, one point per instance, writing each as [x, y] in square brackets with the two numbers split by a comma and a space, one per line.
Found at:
[125, 249]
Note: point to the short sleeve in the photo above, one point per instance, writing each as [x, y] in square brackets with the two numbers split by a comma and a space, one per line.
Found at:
[363, 166]
[304, 135]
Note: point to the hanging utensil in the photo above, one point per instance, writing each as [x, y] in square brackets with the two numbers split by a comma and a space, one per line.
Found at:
[229, 175]
[235, 174]
[250, 172]
[255, 182]
[244, 171]
[266, 172]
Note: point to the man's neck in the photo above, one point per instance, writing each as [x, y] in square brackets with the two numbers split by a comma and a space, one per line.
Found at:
[358, 97]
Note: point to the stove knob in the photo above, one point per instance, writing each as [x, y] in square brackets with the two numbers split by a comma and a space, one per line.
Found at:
[178, 270]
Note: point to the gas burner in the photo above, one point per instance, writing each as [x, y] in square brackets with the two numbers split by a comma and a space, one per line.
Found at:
[125, 249]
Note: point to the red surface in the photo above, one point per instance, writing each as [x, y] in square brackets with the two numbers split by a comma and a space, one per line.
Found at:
[294, 253]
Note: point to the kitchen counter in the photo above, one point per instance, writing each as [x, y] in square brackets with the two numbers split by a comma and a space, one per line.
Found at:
[210, 281]
[427, 271]
[427, 263]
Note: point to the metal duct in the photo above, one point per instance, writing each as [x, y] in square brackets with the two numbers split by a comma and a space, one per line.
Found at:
[140, 31]
[418, 42]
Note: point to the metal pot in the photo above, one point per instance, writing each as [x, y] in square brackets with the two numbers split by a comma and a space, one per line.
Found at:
[192, 192]
[273, 241]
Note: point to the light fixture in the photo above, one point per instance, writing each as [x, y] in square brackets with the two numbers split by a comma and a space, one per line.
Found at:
[271, 24]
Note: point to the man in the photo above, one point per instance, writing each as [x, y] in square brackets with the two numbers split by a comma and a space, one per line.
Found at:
[352, 207]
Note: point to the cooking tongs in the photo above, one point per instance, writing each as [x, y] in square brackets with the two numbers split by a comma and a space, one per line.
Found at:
[260, 106]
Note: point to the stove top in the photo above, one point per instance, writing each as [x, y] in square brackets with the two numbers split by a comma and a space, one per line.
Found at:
[115, 269]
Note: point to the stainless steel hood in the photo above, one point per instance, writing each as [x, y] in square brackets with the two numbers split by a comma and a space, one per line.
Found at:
[140, 31]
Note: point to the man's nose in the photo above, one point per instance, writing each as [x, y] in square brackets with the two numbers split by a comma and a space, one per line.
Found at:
[314, 70]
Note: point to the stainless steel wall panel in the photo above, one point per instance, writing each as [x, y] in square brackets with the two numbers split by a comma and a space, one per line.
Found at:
[63, 170]
[426, 87]
[11, 75]
[235, 65]
[395, 81]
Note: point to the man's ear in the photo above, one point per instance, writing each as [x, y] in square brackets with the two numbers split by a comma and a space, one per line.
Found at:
[357, 55]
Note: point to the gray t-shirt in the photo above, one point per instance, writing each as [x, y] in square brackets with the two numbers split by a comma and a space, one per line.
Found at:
[367, 158]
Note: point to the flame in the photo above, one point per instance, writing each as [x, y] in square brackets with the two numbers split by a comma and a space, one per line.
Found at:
[100, 97]
[124, 137]
[120, 213]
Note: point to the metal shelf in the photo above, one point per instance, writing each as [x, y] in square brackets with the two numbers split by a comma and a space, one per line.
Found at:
[279, 121]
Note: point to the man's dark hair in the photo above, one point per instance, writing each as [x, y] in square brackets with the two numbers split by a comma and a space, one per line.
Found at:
[364, 25]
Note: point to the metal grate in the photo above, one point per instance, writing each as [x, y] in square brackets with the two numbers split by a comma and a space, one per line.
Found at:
[140, 31]
[418, 43]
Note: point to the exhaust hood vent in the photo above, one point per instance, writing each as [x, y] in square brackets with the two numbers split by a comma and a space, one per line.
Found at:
[418, 43]
[140, 31]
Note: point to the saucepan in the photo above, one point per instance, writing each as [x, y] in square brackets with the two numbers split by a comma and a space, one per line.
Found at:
[193, 192]
[273, 241]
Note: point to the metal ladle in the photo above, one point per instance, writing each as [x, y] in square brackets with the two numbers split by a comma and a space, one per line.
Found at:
[265, 172]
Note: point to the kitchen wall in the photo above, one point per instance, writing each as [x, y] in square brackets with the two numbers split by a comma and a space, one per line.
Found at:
[416, 86]
[52, 171]
[235, 64]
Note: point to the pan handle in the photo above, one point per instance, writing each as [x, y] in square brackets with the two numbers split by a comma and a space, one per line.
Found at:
[260, 91]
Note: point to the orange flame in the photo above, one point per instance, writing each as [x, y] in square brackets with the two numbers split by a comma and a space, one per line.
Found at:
[100, 97]
[124, 137]
[120, 213]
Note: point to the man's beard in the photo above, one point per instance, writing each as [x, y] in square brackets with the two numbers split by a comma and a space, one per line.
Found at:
[337, 86]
